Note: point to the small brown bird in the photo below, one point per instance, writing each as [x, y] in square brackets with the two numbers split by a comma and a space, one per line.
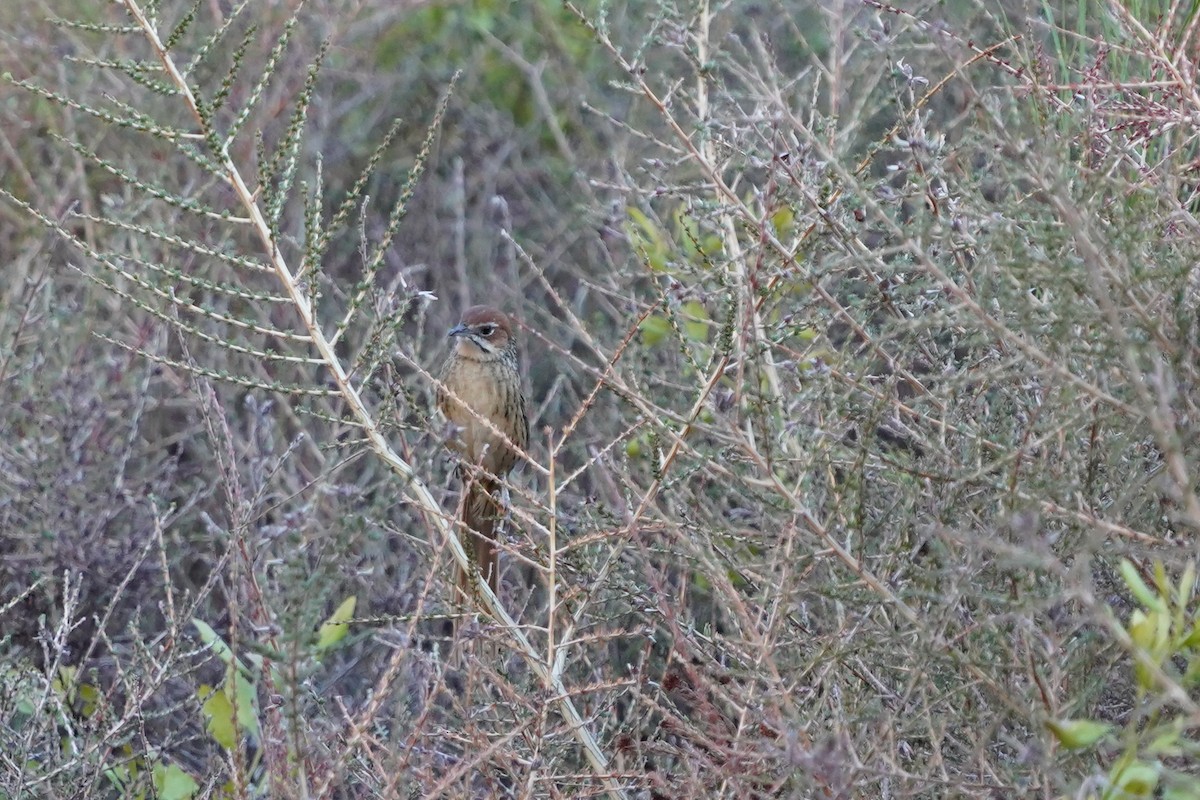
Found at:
[482, 381]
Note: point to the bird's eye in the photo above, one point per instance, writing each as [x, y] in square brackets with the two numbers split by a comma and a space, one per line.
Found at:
[487, 330]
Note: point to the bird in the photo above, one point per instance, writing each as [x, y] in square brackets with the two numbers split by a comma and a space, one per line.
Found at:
[481, 381]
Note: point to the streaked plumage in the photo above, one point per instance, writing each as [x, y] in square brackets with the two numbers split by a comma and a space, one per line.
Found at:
[482, 381]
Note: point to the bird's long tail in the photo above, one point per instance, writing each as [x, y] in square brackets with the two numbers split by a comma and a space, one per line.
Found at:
[481, 511]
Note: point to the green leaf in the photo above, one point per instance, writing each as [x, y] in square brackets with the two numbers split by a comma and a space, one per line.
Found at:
[213, 640]
[688, 235]
[649, 238]
[695, 321]
[334, 629]
[1139, 779]
[172, 783]
[655, 329]
[223, 651]
[781, 220]
[90, 700]
[1191, 638]
[1161, 581]
[1138, 587]
[1141, 629]
[247, 702]
[63, 684]
[1150, 633]
[219, 713]
[219, 706]
[20, 687]
[66, 685]
[121, 776]
[1165, 742]
[1076, 734]
[1187, 582]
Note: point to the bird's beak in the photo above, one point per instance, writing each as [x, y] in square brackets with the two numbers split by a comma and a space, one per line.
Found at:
[457, 330]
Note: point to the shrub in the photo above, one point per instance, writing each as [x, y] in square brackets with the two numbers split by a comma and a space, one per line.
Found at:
[861, 347]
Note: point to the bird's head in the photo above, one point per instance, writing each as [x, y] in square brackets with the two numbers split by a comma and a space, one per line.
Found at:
[484, 334]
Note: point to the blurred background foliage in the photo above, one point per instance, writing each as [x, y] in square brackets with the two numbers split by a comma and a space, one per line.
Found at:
[887, 493]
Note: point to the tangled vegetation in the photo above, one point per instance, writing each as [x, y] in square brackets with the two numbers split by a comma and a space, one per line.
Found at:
[862, 349]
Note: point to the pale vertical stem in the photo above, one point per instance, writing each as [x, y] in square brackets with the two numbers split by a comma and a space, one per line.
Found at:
[551, 581]
[729, 235]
